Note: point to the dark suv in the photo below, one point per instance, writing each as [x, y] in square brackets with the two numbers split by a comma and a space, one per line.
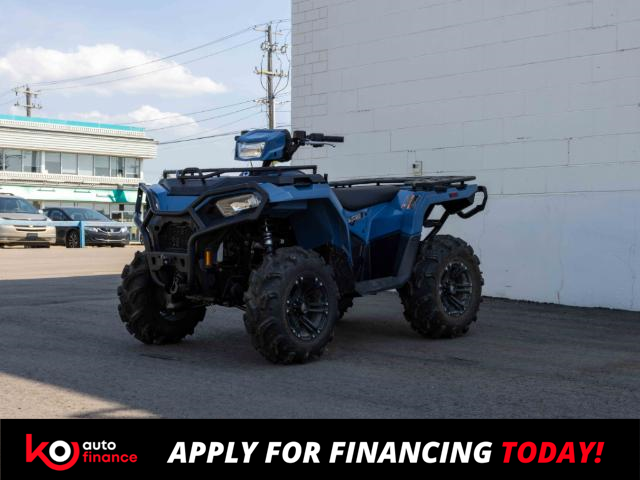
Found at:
[111, 233]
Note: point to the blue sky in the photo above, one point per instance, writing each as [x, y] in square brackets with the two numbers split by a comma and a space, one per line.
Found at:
[43, 40]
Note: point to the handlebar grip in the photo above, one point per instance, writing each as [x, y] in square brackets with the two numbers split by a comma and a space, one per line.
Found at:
[321, 137]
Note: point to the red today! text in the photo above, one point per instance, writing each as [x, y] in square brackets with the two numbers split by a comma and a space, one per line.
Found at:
[528, 452]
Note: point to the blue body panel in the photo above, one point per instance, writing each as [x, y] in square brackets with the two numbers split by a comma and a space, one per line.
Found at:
[319, 219]
[373, 223]
[171, 203]
[316, 202]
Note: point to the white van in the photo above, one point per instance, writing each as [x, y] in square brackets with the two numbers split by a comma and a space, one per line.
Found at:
[16, 208]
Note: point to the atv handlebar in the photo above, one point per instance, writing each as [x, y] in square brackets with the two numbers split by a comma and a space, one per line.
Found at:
[302, 138]
[321, 137]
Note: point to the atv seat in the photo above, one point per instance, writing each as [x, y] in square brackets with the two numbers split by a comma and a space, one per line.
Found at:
[359, 198]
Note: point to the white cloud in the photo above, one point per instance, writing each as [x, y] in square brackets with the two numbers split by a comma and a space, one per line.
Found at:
[151, 116]
[42, 65]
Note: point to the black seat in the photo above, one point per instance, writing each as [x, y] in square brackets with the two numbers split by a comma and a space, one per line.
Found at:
[359, 198]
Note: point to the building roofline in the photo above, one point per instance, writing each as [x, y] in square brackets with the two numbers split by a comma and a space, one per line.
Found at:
[72, 123]
[71, 132]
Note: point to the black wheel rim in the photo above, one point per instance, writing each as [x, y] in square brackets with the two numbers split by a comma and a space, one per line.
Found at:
[456, 288]
[307, 307]
[74, 240]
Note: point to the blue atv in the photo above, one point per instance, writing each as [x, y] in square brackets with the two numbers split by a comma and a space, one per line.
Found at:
[292, 250]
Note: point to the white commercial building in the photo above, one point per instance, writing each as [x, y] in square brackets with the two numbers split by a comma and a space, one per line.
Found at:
[54, 162]
[540, 99]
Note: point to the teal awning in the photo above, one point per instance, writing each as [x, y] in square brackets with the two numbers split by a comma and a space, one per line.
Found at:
[70, 194]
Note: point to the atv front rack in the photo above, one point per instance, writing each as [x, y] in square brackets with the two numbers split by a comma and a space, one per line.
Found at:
[418, 183]
[204, 174]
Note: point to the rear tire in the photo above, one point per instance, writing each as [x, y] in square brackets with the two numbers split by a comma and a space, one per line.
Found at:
[442, 298]
[291, 306]
[142, 310]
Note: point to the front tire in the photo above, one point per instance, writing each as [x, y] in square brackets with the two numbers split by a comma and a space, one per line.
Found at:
[73, 239]
[142, 308]
[442, 298]
[291, 306]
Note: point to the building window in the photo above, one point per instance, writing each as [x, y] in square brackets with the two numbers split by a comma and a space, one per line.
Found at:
[13, 160]
[52, 162]
[132, 167]
[117, 167]
[31, 162]
[85, 165]
[69, 163]
[101, 166]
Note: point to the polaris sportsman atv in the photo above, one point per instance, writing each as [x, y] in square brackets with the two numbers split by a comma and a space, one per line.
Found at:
[292, 250]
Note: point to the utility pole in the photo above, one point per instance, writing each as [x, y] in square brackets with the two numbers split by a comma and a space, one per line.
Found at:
[270, 96]
[269, 47]
[29, 95]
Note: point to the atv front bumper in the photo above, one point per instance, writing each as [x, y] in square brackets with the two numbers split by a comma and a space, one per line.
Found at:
[171, 238]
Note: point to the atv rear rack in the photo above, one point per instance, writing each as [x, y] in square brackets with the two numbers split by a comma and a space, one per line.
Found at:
[418, 183]
[195, 173]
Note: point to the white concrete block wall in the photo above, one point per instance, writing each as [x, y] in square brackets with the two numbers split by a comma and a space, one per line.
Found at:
[538, 98]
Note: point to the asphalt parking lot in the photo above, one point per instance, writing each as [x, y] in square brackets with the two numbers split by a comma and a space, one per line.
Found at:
[64, 353]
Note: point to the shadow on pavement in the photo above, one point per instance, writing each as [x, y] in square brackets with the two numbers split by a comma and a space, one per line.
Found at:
[520, 360]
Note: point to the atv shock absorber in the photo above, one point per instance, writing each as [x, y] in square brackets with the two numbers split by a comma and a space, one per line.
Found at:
[267, 238]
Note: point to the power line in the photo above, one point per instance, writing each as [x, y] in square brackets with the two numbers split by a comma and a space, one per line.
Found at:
[167, 57]
[187, 137]
[190, 113]
[104, 82]
[228, 114]
[223, 125]
[228, 134]
[284, 50]
[178, 142]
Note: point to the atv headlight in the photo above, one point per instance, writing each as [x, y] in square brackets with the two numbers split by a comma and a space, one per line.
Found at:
[250, 151]
[235, 205]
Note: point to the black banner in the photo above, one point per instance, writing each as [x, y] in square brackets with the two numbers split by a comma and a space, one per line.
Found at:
[75, 448]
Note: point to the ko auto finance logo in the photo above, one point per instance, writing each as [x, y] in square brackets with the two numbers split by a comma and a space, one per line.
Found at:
[61, 455]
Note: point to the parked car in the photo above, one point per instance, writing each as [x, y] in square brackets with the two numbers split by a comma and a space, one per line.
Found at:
[112, 234]
[17, 208]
